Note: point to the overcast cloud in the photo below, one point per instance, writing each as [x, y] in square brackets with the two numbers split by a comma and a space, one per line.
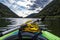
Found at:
[24, 8]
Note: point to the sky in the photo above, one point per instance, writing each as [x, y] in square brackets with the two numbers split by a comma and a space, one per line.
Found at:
[24, 8]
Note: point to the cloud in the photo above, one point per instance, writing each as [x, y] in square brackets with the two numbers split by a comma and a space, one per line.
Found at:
[24, 8]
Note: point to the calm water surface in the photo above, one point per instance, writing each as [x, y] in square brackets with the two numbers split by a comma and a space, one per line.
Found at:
[53, 24]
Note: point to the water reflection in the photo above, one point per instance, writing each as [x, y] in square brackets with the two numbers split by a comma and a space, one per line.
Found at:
[54, 25]
[8, 23]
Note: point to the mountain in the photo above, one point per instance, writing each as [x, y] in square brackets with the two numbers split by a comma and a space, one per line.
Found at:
[53, 9]
[26, 7]
[6, 12]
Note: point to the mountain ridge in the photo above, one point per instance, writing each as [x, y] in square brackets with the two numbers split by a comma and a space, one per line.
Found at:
[6, 12]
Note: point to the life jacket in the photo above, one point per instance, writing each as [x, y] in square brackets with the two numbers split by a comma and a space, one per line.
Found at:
[31, 27]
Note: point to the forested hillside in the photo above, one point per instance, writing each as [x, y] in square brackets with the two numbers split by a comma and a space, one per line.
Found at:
[6, 12]
[53, 9]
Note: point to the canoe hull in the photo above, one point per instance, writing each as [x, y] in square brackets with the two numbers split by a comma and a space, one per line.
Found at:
[46, 34]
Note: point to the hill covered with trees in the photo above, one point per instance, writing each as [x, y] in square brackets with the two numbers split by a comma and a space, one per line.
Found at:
[53, 9]
[6, 12]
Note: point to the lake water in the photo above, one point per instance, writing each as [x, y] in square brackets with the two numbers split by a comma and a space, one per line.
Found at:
[8, 23]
